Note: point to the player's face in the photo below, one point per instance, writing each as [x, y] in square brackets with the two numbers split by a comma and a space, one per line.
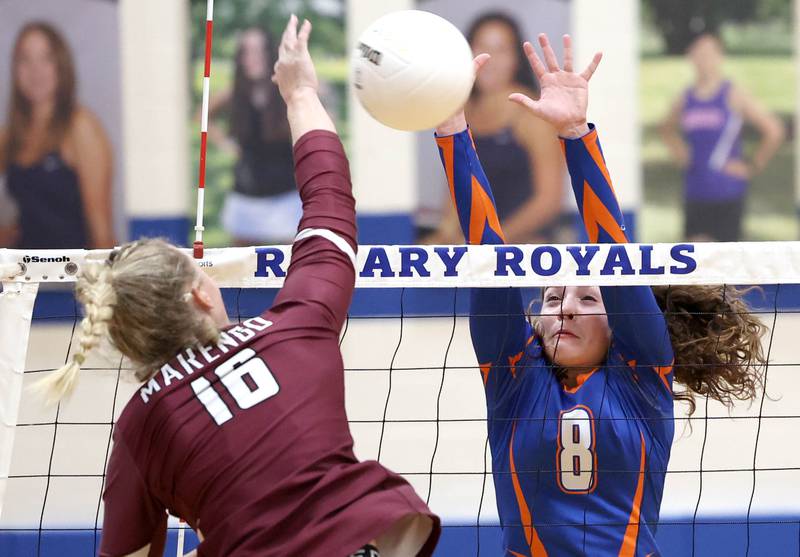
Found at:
[706, 56]
[497, 39]
[36, 72]
[574, 326]
[254, 60]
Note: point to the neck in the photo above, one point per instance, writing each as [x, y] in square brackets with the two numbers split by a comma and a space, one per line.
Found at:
[42, 112]
[571, 375]
[709, 82]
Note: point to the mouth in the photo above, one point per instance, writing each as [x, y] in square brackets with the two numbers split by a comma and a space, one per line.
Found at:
[564, 334]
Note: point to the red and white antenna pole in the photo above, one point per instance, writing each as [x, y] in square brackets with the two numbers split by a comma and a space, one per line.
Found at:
[201, 186]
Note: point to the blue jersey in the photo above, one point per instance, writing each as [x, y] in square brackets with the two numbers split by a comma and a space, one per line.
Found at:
[577, 471]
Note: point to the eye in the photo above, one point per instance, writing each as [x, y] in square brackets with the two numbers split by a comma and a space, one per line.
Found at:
[589, 298]
[552, 298]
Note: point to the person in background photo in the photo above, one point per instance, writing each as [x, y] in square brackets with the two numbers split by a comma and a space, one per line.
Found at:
[259, 137]
[54, 152]
[703, 134]
[519, 152]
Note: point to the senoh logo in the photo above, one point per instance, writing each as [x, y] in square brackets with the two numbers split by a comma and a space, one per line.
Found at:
[39, 259]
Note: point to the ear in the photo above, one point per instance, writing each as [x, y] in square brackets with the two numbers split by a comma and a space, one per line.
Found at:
[201, 299]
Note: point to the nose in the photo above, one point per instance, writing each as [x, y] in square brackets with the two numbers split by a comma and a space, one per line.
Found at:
[567, 308]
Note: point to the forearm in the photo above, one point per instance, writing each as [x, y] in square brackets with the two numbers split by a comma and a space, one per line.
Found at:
[594, 193]
[469, 189]
[497, 320]
[320, 279]
[306, 113]
[678, 150]
[322, 174]
[771, 141]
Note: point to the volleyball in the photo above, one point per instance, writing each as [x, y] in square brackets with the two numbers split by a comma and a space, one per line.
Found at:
[412, 70]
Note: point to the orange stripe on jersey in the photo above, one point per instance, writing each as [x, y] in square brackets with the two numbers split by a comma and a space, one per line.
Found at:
[482, 212]
[532, 537]
[485, 369]
[580, 380]
[512, 362]
[628, 548]
[446, 144]
[590, 141]
[596, 215]
[515, 554]
[663, 371]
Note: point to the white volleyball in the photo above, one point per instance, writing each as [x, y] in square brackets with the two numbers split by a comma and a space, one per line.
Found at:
[412, 70]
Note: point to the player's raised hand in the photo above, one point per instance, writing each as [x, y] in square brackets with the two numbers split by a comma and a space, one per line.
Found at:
[565, 94]
[294, 70]
[458, 121]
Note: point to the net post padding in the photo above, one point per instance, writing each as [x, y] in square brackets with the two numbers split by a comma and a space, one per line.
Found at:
[16, 309]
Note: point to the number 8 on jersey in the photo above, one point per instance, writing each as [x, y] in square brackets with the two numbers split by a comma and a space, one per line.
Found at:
[576, 460]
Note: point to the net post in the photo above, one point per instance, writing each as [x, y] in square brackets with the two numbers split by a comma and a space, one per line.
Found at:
[16, 307]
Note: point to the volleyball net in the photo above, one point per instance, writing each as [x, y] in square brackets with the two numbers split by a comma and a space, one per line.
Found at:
[414, 393]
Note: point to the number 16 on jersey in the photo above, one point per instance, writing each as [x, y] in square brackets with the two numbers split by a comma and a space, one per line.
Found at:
[232, 374]
[576, 461]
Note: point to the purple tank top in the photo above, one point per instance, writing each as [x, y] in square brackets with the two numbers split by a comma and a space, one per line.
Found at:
[713, 132]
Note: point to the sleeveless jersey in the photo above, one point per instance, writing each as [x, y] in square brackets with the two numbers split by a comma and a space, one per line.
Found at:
[713, 132]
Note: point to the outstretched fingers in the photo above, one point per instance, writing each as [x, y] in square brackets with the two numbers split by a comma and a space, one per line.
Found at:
[549, 55]
[568, 54]
[304, 34]
[534, 60]
[289, 36]
[590, 69]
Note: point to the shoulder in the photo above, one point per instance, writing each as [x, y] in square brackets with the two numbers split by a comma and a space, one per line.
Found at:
[86, 135]
[85, 124]
[737, 97]
[680, 101]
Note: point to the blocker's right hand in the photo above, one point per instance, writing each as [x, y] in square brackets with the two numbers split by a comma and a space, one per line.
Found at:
[457, 123]
[294, 70]
[564, 93]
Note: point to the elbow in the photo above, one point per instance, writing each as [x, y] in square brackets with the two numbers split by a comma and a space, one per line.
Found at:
[779, 133]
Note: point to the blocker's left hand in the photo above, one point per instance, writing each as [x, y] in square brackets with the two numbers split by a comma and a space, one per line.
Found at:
[457, 123]
[294, 70]
[565, 94]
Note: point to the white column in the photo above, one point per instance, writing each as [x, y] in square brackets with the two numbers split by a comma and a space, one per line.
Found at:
[383, 160]
[154, 53]
[797, 105]
[614, 93]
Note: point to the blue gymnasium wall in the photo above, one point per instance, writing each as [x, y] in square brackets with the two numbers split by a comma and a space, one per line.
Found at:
[776, 536]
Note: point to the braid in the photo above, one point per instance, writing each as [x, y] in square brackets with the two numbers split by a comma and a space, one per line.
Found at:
[95, 291]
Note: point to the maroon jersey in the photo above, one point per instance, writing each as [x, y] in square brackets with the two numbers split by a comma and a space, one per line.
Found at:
[247, 439]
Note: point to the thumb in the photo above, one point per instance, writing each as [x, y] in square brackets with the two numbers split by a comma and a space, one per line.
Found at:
[480, 61]
[526, 102]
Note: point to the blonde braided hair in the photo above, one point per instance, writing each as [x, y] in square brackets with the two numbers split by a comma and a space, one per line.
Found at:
[137, 299]
[95, 290]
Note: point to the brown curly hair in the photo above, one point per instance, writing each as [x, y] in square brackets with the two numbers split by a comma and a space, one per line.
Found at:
[716, 340]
